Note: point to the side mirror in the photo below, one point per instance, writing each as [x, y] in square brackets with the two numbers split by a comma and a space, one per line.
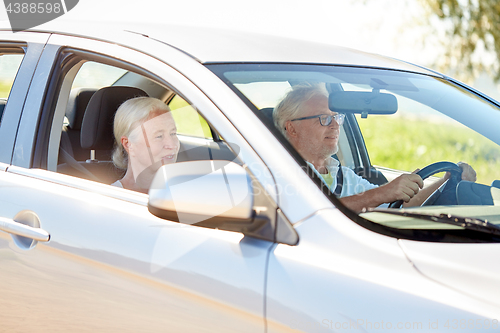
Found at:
[213, 194]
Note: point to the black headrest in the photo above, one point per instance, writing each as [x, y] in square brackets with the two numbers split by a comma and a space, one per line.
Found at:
[97, 125]
[78, 100]
[268, 112]
[3, 102]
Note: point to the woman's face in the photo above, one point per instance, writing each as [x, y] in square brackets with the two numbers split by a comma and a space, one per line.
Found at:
[153, 143]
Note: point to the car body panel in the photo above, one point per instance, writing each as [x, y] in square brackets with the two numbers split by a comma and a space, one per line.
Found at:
[365, 282]
[474, 272]
[115, 255]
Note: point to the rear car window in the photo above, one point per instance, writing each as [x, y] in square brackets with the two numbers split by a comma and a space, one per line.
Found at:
[9, 66]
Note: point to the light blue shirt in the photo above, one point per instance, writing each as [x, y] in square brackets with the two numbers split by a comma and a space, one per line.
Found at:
[353, 184]
[117, 184]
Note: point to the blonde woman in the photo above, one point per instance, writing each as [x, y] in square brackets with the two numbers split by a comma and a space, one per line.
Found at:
[145, 139]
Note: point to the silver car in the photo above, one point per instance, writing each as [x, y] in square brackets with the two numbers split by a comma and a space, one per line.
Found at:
[237, 236]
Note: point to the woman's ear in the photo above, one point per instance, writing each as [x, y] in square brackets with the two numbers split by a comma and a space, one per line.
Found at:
[125, 143]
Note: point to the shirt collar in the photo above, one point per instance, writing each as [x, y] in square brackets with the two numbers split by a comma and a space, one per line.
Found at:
[330, 163]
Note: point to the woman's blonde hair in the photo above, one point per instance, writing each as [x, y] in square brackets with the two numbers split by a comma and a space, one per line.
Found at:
[129, 115]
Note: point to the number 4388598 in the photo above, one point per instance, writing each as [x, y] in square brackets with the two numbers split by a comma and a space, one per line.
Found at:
[33, 8]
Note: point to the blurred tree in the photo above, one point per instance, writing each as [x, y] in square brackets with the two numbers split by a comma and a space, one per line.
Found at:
[472, 35]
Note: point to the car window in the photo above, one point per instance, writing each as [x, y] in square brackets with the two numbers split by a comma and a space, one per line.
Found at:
[188, 120]
[264, 95]
[90, 77]
[425, 136]
[96, 75]
[388, 124]
[82, 142]
[9, 65]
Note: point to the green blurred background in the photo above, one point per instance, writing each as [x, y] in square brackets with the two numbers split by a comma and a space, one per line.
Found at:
[407, 144]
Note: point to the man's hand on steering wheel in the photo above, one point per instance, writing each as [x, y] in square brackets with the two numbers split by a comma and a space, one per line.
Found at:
[403, 188]
[409, 188]
[468, 173]
[458, 172]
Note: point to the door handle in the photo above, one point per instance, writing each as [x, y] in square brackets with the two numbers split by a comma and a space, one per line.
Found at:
[20, 229]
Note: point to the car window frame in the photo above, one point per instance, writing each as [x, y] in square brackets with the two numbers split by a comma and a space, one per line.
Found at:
[420, 235]
[144, 63]
[32, 47]
[68, 59]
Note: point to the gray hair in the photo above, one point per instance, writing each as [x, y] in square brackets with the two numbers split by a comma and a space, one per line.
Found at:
[291, 105]
[129, 115]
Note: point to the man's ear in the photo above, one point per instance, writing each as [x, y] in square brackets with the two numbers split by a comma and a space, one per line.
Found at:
[290, 129]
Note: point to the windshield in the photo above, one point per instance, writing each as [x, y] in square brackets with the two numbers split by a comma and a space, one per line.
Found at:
[364, 132]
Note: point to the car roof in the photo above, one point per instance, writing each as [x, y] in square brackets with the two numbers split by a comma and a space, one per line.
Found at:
[212, 45]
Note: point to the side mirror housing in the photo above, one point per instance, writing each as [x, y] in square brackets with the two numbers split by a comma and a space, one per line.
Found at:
[208, 193]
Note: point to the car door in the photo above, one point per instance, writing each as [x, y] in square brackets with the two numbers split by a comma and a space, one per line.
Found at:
[106, 262]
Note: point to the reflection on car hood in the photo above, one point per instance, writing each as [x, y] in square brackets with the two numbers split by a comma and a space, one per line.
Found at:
[472, 269]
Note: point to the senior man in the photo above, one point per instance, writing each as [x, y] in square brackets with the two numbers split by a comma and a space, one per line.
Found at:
[304, 118]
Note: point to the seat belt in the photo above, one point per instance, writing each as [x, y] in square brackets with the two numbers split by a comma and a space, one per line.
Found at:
[66, 143]
[66, 157]
[340, 181]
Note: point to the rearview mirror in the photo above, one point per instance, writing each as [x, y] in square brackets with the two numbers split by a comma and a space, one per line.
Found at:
[362, 102]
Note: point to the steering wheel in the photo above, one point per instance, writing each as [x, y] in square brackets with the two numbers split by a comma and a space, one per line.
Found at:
[447, 190]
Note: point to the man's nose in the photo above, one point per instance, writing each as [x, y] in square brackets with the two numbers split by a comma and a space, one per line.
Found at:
[334, 124]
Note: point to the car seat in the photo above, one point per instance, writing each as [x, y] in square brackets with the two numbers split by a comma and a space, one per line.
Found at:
[96, 135]
[3, 102]
[70, 137]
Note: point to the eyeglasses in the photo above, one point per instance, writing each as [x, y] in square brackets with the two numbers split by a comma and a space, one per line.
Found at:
[326, 119]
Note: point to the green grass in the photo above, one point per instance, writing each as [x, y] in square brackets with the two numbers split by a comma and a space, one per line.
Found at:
[187, 119]
[407, 144]
[5, 87]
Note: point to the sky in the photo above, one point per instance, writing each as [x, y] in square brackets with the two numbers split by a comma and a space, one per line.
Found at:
[369, 25]
[394, 28]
